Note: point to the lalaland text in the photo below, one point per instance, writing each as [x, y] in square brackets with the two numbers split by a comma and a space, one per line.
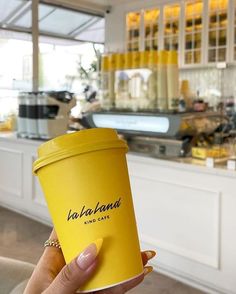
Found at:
[94, 211]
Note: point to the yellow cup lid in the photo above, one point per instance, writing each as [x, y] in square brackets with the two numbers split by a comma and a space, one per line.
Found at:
[77, 143]
[162, 57]
[172, 57]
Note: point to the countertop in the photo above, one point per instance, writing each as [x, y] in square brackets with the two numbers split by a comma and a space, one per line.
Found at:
[188, 163]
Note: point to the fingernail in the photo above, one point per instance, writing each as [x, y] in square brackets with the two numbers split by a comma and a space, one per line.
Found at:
[150, 254]
[98, 244]
[147, 270]
[87, 257]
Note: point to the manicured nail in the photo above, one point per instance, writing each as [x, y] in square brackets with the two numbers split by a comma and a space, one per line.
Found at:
[150, 254]
[98, 244]
[87, 257]
[147, 270]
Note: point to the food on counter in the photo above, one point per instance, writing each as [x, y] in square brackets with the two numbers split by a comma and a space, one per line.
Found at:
[214, 152]
[9, 124]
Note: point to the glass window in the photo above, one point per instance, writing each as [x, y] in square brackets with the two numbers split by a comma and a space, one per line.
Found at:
[171, 26]
[133, 31]
[8, 7]
[64, 66]
[234, 29]
[151, 28]
[16, 64]
[217, 36]
[62, 21]
[15, 70]
[193, 31]
[54, 21]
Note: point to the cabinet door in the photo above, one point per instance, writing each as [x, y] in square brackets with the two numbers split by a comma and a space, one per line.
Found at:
[234, 31]
[171, 29]
[193, 38]
[133, 29]
[151, 29]
[217, 30]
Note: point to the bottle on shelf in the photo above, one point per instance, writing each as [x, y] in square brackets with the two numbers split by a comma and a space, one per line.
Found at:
[105, 82]
[185, 92]
[172, 80]
[121, 82]
[111, 80]
[162, 102]
[152, 80]
[136, 83]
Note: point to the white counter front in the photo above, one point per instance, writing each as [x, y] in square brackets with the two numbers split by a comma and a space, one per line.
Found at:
[185, 212]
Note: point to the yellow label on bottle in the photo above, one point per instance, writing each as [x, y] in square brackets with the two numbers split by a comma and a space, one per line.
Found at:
[112, 62]
[172, 57]
[120, 61]
[128, 60]
[135, 59]
[104, 63]
[153, 59]
[162, 57]
[144, 59]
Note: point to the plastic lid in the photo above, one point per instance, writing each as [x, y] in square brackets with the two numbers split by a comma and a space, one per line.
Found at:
[77, 143]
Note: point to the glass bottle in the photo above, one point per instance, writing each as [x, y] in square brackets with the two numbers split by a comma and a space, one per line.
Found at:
[162, 101]
[173, 80]
[152, 80]
[105, 83]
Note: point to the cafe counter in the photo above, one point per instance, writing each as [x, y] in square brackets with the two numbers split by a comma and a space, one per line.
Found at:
[184, 211]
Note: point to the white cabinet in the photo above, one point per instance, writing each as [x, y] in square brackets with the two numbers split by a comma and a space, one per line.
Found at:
[193, 33]
[133, 31]
[171, 26]
[218, 25]
[19, 188]
[232, 36]
[185, 212]
[151, 29]
[204, 31]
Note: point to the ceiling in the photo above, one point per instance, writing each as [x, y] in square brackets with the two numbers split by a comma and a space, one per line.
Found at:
[54, 21]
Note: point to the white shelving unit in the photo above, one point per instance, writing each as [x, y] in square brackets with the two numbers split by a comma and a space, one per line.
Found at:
[204, 31]
[193, 32]
[171, 21]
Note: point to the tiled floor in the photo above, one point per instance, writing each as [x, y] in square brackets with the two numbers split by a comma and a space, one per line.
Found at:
[22, 238]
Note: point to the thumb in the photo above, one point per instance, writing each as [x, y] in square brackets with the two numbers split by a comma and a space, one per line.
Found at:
[77, 272]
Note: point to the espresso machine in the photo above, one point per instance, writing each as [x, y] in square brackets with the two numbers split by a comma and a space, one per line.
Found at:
[162, 135]
[22, 116]
[44, 115]
[53, 113]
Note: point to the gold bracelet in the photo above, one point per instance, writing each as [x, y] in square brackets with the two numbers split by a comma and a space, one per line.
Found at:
[52, 243]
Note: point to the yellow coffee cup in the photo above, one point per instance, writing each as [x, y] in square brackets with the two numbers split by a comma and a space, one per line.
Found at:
[85, 180]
